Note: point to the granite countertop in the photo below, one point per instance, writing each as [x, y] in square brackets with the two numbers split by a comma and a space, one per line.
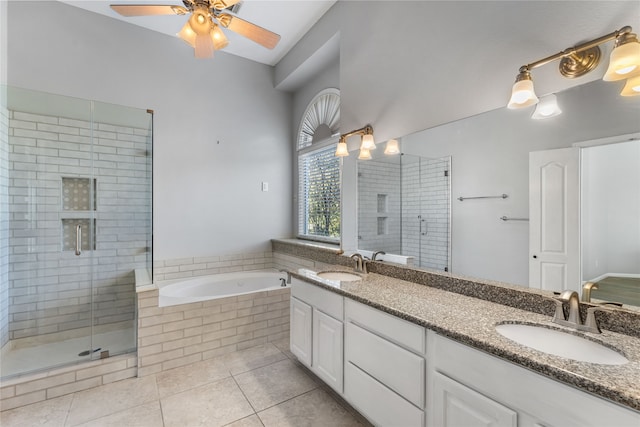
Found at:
[472, 321]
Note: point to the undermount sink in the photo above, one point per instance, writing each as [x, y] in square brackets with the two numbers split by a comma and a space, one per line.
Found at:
[341, 276]
[559, 343]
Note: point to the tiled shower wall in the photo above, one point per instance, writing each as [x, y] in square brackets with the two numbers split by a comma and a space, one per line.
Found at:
[425, 215]
[379, 206]
[4, 226]
[49, 286]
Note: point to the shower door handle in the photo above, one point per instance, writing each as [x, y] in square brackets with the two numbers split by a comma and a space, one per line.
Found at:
[422, 221]
[78, 239]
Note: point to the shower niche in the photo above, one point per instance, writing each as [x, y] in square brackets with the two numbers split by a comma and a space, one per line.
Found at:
[77, 215]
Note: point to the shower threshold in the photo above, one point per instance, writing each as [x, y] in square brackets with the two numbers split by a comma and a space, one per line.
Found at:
[41, 356]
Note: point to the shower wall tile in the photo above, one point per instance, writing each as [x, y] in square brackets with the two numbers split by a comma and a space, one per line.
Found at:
[379, 202]
[50, 294]
[5, 195]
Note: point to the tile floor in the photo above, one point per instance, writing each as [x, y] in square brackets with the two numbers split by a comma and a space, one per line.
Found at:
[259, 386]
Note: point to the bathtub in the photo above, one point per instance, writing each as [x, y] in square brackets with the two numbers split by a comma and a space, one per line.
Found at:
[203, 288]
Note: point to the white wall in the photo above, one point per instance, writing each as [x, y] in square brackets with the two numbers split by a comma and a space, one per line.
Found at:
[610, 210]
[220, 126]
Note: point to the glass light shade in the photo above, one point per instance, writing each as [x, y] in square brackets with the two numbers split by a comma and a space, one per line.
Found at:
[392, 147]
[367, 143]
[342, 150]
[547, 107]
[364, 154]
[188, 35]
[200, 22]
[219, 39]
[632, 88]
[522, 94]
[624, 62]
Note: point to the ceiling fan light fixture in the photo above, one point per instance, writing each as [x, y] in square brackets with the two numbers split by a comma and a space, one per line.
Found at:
[188, 35]
[200, 21]
[219, 39]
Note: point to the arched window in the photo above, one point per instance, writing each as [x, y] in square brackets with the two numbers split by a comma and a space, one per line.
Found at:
[319, 168]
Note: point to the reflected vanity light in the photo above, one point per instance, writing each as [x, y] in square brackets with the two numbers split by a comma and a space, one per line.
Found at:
[624, 63]
[632, 88]
[546, 108]
[392, 147]
[365, 154]
[341, 149]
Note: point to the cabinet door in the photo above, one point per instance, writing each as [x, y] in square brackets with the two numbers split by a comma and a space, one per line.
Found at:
[327, 349]
[455, 405]
[300, 334]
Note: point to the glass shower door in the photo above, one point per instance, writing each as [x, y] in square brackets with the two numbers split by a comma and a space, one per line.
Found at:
[123, 183]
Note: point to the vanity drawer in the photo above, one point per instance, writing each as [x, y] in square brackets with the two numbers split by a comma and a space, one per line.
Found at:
[395, 367]
[325, 301]
[390, 327]
[379, 404]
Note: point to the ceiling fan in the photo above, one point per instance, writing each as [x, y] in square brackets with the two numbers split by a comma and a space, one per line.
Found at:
[202, 30]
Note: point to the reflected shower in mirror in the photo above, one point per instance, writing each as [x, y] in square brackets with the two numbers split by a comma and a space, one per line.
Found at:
[404, 208]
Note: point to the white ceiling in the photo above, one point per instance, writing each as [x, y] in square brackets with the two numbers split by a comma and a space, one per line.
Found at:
[289, 18]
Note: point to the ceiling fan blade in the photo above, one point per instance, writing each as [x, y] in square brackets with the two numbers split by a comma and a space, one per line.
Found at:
[223, 4]
[251, 31]
[148, 9]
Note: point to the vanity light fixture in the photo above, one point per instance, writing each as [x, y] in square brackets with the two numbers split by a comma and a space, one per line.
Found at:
[367, 143]
[546, 108]
[392, 147]
[624, 63]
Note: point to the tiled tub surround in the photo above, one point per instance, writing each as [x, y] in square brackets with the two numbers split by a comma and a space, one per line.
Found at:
[169, 337]
[472, 322]
[170, 269]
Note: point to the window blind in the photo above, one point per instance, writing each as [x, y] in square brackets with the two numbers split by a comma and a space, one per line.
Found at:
[319, 198]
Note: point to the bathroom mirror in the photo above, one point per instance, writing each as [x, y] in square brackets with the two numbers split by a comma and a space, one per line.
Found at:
[490, 157]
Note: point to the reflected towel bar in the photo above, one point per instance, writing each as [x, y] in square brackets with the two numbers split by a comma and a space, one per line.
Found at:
[503, 196]
[505, 218]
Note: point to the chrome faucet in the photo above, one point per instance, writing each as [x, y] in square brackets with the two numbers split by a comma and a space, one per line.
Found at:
[376, 253]
[361, 263]
[288, 276]
[574, 321]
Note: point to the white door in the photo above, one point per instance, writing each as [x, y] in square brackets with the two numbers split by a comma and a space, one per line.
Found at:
[300, 334]
[327, 349]
[554, 213]
[455, 405]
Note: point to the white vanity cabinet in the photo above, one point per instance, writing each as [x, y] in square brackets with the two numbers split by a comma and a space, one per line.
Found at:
[384, 366]
[316, 336]
[468, 387]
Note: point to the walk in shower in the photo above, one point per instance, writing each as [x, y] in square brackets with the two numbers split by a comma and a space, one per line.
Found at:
[75, 222]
